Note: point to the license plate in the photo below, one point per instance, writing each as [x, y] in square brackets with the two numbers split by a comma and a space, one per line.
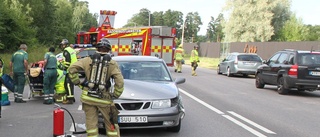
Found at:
[248, 63]
[314, 73]
[133, 119]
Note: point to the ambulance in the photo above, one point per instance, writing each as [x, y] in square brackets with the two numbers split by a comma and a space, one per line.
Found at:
[156, 41]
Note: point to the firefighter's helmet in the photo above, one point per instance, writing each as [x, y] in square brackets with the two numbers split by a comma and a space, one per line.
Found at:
[104, 42]
[196, 46]
[64, 42]
[180, 46]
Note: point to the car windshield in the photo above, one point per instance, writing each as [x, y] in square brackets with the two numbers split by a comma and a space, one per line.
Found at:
[144, 71]
[86, 53]
[249, 58]
[309, 59]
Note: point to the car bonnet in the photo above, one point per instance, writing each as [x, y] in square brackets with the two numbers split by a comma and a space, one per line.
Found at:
[145, 90]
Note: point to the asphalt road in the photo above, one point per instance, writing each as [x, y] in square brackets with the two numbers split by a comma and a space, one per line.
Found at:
[216, 106]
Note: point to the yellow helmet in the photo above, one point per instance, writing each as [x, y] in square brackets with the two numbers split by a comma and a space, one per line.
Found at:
[180, 46]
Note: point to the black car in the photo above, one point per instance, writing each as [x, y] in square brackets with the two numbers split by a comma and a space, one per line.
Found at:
[290, 69]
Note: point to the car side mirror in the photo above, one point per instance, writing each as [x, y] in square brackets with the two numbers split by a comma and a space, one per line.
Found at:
[224, 60]
[180, 80]
[264, 61]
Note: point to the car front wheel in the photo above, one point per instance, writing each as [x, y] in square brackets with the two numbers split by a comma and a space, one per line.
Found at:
[281, 87]
[218, 70]
[259, 83]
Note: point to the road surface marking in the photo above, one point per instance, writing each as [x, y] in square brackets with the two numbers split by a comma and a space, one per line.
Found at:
[232, 119]
[202, 102]
[244, 126]
[251, 122]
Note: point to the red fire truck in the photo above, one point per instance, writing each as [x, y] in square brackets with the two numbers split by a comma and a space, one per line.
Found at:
[145, 41]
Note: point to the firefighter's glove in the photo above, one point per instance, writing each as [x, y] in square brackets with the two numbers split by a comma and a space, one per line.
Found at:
[66, 64]
[84, 83]
[198, 61]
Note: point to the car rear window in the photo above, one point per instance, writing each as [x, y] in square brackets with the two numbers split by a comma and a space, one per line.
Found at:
[309, 59]
[249, 58]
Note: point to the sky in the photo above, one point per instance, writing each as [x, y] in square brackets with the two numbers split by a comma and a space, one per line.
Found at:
[307, 10]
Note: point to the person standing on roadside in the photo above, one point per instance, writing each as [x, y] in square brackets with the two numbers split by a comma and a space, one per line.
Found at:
[194, 59]
[50, 75]
[178, 56]
[69, 57]
[19, 70]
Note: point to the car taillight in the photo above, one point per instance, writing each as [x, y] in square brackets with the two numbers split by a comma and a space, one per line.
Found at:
[293, 71]
[236, 61]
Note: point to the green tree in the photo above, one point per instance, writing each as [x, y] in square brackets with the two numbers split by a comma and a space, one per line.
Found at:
[174, 19]
[314, 33]
[293, 30]
[254, 20]
[63, 21]
[16, 25]
[79, 13]
[214, 31]
[281, 13]
[192, 26]
[157, 18]
[42, 13]
[140, 19]
[168, 18]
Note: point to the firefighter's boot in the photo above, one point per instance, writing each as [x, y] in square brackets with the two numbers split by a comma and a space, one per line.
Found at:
[193, 72]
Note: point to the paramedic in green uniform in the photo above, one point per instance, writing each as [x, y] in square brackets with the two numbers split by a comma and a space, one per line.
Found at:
[19, 70]
[50, 75]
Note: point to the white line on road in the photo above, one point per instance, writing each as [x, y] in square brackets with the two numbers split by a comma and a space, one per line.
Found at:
[244, 126]
[251, 122]
[232, 119]
[202, 102]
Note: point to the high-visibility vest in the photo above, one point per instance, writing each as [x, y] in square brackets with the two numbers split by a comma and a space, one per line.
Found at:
[73, 54]
[179, 54]
[194, 56]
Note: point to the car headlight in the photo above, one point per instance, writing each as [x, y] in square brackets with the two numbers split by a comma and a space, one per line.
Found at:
[161, 103]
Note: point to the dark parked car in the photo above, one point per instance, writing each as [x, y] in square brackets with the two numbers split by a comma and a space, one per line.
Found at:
[290, 69]
[239, 63]
[151, 98]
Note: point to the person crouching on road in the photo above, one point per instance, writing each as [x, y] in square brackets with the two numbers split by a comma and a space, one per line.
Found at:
[178, 56]
[194, 59]
[94, 99]
[19, 70]
[50, 75]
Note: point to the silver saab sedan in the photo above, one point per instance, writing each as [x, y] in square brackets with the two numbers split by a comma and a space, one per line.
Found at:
[151, 98]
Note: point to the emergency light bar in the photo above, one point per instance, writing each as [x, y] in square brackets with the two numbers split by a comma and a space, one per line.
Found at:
[82, 46]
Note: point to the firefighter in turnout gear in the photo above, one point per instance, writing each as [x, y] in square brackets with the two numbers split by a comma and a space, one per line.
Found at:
[194, 59]
[19, 69]
[69, 57]
[50, 75]
[178, 56]
[96, 94]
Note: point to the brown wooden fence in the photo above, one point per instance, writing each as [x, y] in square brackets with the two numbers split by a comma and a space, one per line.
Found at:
[264, 49]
